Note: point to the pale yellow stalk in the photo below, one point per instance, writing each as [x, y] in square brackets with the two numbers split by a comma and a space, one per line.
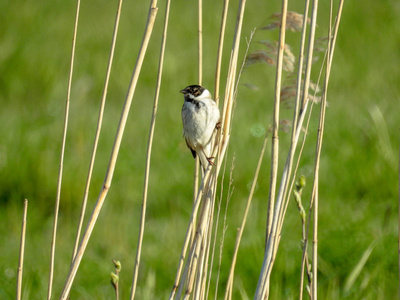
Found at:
[114, 155]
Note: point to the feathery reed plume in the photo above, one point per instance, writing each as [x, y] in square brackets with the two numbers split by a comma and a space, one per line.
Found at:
[269, 56]
[294, 21]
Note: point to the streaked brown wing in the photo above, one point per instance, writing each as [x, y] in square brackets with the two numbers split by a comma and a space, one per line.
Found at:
[193, 152]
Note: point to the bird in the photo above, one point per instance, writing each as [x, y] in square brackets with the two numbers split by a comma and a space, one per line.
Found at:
[200, 117]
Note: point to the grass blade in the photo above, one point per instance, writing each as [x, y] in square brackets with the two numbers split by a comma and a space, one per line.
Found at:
[358, 268]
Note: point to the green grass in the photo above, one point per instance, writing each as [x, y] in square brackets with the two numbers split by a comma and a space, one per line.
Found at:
[358, 179]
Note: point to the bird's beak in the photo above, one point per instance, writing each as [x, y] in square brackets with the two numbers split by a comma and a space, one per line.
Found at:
[182, 91]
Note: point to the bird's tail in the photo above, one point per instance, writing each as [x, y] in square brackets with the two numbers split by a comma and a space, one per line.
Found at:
[203, 160]
[204, 156]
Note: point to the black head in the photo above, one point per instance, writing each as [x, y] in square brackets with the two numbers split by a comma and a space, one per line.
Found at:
[195, 90]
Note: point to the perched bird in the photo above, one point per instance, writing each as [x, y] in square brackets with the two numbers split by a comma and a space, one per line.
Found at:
[200, 116]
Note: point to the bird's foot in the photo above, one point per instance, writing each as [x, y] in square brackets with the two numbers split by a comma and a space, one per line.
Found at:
[210, 160]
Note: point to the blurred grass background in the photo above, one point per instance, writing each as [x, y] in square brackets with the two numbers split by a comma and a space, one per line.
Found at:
[358, 181]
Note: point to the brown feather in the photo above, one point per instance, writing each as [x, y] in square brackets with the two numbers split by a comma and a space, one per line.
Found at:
[193, 152]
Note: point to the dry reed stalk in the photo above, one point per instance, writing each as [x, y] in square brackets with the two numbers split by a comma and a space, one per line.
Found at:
[263, 285]
[229, 286]
[321, 124]
[98, 129]
[206, 192]
[200, 80]
[59, 180]
[297, 125]
[201, 294]
[114, 155]
[304, 257]
[220, 49]
[195, 187]
[304, 264]
[200, 39]
[196, 275]
[275, 122]
[189, 231]
[304, 261]
[315, 194]
[194, 254]
[215, 235]
[297, 101]
[230, 85]
[211, 249]
[282, 199]
[215, 182]
[149, 149]
[200, 242]
[235, 94]
[310, 53]
[282, 196]
[21, 252]
[335, 33]
[230, 89]
[202, 291]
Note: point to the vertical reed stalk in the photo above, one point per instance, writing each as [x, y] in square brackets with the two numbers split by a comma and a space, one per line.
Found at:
[273, 238]
[189, 231]
[263, 282]
[315, 194]
[21, 252]
[114, 155]
[297, 101]
[98, 130]
[310, 52]
[149, 149]
[330, 50]
[200, 40]
[229, 286]
[231, 80]
[220, 49]
[200, 80]
[275, 121]
[59, 181]
[319, 146]
[207, 192]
